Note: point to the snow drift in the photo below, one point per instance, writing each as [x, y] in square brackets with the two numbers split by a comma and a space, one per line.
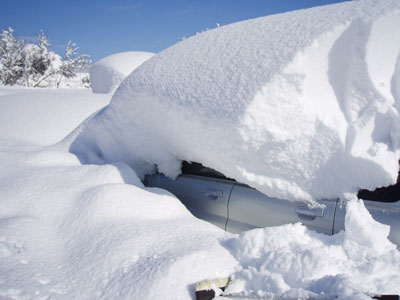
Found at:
[301, 105]
[108, 73]
[69, 231]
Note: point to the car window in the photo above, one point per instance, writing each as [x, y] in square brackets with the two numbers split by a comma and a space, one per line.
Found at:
[383, 194]
[200, 170]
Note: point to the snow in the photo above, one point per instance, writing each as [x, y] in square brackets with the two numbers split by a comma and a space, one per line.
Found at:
[72, 231]
[45, 116]
[109, 72]
[82, 225]
[299, 105]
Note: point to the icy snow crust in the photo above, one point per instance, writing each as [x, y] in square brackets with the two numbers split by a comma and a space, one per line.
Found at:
[109, 72]
[302, 105]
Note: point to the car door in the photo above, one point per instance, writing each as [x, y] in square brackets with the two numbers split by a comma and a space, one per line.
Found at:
[205, 197]
[248, 208]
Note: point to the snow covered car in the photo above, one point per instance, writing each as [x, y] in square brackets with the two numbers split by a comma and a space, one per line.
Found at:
[236, 207]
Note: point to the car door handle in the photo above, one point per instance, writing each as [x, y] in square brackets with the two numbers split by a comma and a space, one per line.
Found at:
[310, 212]
[213, 193]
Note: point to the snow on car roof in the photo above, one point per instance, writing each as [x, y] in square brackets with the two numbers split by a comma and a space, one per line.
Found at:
[301, 105]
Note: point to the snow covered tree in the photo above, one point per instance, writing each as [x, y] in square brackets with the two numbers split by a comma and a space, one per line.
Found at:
[42, 64]
[42, 60]
[11, 58]
[34, 64]
[37, 60]
[71, 62]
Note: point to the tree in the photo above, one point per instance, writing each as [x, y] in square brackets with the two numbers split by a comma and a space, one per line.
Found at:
[34, 64]
[11, 58]
[37, 60]
[71, 62]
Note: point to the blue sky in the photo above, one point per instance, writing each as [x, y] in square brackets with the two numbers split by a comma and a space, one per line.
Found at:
[101, 28]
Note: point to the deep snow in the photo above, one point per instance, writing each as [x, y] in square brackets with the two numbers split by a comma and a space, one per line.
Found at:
[110, 71]
[69, 231]
[302, 105]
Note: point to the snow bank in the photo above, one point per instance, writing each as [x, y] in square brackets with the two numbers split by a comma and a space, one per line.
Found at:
[69, 231]
[108, 73]
[301, 105]
[291, 262]
[44, 116]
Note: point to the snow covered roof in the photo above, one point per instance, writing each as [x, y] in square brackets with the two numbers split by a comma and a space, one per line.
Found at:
[301, 105]
[108, 73]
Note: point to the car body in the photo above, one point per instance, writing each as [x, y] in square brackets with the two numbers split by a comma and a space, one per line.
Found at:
[236, 207]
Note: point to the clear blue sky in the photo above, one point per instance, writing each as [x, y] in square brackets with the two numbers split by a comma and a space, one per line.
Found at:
[101, 28]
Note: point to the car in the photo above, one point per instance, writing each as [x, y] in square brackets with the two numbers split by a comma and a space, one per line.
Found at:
[236, 207]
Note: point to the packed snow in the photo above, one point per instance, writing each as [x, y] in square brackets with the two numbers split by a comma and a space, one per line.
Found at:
[302, 105]
[81, 225]
[109, 72]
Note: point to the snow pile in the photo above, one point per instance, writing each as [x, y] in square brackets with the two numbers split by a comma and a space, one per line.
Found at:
[69, 231]
[301, 105]
[291, 262]
[108, 73]
[45, 116]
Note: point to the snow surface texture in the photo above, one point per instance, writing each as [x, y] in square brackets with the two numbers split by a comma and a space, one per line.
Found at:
[109, 72]
[44, 117]
[302, 105]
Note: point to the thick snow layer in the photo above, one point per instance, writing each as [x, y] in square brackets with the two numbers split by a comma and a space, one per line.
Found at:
[109, 72]
[42, 116]
[301, 105]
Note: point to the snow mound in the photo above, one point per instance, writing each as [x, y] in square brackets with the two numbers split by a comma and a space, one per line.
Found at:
[72, 231]
[292, 262]
[302, 105]
[108, 73]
